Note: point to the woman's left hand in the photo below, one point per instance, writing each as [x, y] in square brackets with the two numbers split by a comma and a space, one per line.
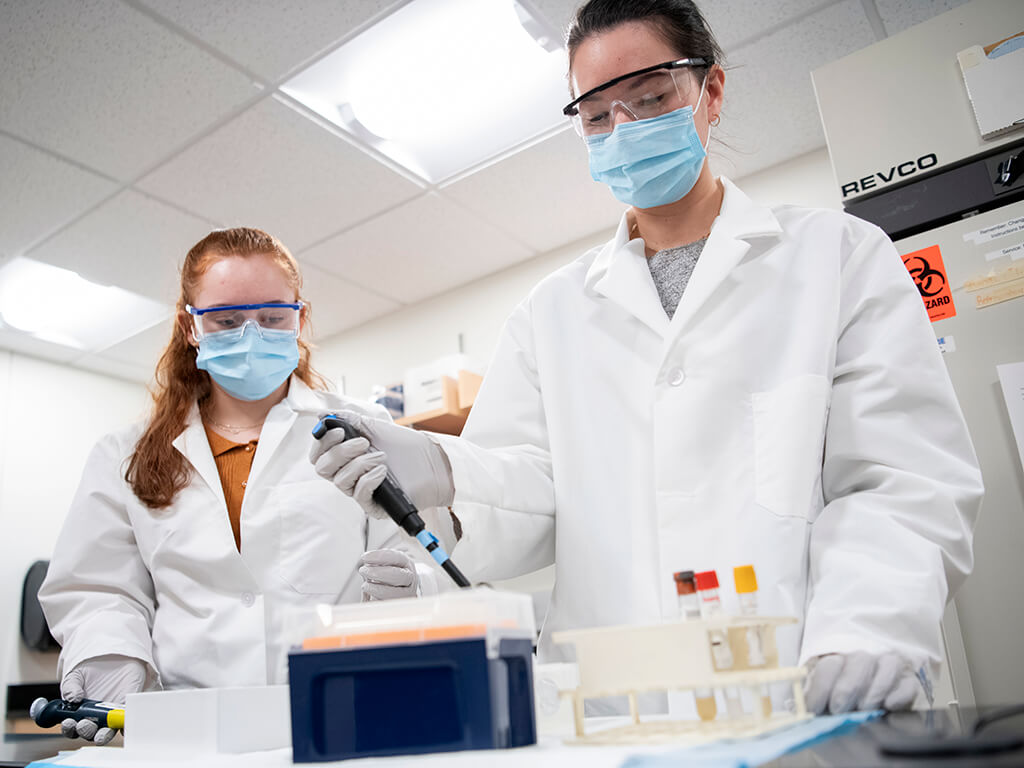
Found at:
[387, 574]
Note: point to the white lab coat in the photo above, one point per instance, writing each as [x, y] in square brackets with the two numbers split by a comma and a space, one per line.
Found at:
[794, 414]
[169, 587]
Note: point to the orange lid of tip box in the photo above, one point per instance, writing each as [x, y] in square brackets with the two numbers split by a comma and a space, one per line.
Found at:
[394, 637]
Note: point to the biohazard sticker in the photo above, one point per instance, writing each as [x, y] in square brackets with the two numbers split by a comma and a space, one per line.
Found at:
[929, 274]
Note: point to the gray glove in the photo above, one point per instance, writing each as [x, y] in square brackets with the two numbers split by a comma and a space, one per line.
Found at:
[103, 678]
[359, 466]
[387, 574]
[845, 682]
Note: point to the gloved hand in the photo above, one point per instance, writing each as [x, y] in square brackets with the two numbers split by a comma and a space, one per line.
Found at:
[387, 574]
[104, 678]
[847, 682]
[418, 463]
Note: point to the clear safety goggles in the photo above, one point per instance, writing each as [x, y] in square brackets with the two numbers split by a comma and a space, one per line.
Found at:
[643, 94]
[230, 322]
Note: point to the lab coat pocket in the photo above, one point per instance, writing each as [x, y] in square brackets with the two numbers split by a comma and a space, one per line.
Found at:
[321, 538]
[789, 434]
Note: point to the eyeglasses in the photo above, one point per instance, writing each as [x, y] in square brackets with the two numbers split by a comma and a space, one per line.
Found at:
[645, 93]
[229, 323]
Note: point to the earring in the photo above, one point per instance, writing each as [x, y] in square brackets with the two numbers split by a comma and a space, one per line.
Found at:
[716, 120]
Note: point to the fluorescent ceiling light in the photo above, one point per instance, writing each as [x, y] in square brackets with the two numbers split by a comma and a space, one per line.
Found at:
[61, 307]
[440, 86]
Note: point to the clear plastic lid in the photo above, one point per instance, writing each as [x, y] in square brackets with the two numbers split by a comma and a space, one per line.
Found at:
[479, 612]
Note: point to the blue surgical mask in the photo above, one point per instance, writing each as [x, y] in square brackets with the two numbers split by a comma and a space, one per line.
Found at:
[651, 162]
[250, 366]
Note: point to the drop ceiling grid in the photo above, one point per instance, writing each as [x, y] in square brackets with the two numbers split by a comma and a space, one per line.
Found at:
[135, 89]
[132, 240]
[313, 188]
[418, 250]
[272, 39]
[40, 191]
[281, 172]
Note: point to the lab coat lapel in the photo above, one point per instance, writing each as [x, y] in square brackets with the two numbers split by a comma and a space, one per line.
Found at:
[739, 220]
[620, 273]
[279, 421]
[194, 446]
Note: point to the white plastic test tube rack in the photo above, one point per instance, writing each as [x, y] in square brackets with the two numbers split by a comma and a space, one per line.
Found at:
[676, 656]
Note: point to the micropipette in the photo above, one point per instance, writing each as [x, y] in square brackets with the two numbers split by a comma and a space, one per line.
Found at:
[54, 712]
[398, 506]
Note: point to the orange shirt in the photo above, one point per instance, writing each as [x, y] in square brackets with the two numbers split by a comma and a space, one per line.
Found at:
[234, 460]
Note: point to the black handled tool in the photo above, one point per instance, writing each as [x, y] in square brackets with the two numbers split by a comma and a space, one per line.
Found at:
[50, 713]
[398, 506]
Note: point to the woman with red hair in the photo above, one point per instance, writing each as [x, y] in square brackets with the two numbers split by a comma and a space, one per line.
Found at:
[192, 534]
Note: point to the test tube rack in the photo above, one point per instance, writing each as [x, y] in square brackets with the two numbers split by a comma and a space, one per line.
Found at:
[677, 656]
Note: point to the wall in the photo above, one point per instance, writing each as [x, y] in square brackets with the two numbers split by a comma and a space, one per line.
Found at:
[50, 417]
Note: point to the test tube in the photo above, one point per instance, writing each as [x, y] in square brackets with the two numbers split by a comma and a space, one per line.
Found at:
[746, 590]
[689, 609]
[686, 590]
[711, 605]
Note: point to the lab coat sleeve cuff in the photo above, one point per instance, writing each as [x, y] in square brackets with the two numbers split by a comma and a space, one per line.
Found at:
[97, 641]
[849, 643]
[459, 460]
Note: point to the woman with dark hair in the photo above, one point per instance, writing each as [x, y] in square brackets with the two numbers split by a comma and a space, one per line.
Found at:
[193, 533]
[721, 383]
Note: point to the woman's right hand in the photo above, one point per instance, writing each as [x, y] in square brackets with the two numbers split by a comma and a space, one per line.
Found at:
[358, 466]
[103, 678]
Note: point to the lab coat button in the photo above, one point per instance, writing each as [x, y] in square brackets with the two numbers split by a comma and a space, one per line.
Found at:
[248, 599]
[675, 377]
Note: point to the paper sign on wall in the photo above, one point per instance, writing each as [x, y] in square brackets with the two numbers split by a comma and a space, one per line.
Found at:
[929, 274]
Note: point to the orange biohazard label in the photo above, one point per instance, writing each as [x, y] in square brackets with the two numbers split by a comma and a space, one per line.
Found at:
[929, 274]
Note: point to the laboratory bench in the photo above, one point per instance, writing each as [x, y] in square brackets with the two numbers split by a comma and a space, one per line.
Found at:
[857, 747]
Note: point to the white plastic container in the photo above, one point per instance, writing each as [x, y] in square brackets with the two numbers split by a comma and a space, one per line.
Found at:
[207, 721]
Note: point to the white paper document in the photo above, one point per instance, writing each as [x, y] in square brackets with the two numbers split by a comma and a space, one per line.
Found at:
[1011, 377]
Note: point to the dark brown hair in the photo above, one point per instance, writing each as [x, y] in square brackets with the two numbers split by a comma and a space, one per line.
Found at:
[679, 23]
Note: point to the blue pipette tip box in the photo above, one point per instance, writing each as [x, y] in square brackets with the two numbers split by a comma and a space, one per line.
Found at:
[411, 698]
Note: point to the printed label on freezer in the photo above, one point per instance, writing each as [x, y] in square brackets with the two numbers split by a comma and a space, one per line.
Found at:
[929, 274]
[1013, 251]
[1002, 229]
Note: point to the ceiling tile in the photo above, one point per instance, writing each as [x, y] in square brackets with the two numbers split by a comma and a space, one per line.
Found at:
[898, 15]
[105, 85]
[40, 192]
[131, 241]
[544, 194]
[337, 304]
[277, 170]
[558, 13]
[770, 112]
[141, 350]
[424, 247]
[270, 38]
[737, 21]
